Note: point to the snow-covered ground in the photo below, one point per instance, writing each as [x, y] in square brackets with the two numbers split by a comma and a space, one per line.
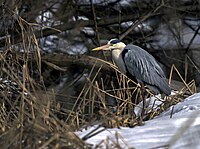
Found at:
[180, 131]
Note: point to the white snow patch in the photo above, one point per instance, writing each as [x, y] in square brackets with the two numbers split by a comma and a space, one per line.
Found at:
[157, 132]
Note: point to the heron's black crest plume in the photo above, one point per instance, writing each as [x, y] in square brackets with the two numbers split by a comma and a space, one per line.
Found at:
[114, 41]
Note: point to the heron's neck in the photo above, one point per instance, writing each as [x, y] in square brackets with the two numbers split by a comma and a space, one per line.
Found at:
[121, 46]
[117, 57]
[116, 53]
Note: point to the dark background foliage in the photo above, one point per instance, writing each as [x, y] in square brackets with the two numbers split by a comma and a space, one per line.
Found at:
[168, 29]
[50, 80]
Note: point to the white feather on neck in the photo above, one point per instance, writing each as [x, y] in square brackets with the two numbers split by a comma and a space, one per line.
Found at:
[117, 56]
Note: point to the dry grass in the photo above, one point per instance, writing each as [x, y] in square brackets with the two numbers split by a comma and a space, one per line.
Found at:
[92, 103]
[28, 112]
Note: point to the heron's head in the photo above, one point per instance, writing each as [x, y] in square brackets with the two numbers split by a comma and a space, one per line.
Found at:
[113, 44]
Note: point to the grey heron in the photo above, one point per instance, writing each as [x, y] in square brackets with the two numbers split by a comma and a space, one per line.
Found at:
[135, 61]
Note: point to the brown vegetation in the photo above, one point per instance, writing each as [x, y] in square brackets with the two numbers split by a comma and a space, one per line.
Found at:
[35, 113]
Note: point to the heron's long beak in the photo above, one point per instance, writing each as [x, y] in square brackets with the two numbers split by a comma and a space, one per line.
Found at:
[104, 47]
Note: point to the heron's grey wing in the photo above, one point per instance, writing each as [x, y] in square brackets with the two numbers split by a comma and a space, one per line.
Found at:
[144, 67]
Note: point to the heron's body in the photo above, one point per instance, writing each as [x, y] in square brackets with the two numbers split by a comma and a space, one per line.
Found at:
[134, 61]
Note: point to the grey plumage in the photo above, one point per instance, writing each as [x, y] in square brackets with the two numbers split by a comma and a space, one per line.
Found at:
[144, 67]
[134, 61]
